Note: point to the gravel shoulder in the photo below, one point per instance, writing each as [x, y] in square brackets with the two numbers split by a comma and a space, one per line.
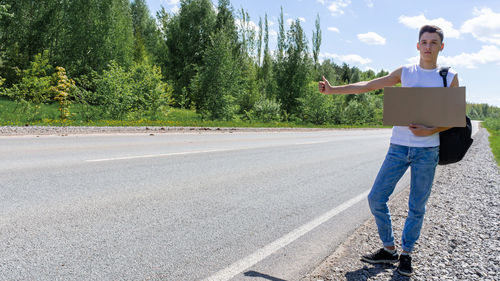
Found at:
[460, 239]
[75, 130]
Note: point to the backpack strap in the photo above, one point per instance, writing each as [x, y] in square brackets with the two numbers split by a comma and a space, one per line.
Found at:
[443, 72]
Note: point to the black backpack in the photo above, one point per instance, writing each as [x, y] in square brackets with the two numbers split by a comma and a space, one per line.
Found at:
[454, 142]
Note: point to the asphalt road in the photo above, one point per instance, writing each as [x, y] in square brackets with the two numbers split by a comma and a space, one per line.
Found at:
[190, 206]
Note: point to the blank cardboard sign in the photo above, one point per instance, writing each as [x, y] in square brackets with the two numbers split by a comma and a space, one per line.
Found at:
[433, 107]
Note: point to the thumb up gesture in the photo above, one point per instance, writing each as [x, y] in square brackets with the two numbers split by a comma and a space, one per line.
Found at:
[324, 86]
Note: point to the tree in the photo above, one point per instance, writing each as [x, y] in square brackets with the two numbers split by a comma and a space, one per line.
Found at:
[345, 75]
[259, 43]
[281, 34]
[293, 72]
[4, 11]
[161, 53]
[187, 37]
[316, 40]
[225, 22]
[146, 35]
[266, 77]
[217, 82]
[28, 29]
[246, 34]
[96, 32]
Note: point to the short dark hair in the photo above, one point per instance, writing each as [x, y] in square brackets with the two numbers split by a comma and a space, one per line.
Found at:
[431, 29]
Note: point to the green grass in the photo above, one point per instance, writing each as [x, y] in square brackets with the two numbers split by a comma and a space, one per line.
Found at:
[495, 144]
[493, 126]
[12, 114]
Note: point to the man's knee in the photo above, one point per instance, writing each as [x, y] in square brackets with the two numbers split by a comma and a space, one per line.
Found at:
[376, 202]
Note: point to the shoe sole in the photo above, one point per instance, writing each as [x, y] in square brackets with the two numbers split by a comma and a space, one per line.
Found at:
[379, 261]
[407, 274]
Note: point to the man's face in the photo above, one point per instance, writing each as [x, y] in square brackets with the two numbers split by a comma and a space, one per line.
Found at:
[429, 46]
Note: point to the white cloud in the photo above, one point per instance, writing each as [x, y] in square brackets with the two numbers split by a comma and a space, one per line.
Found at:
[369, 3]
[371, 38]
[487, 54]
[273, 33]
[321, 1]
[171, 2]
[485, 26]
[175, 9]
[250, 25]
[289, 21]
[334, 29]
[352, 58]
[417, 22]
[337, 7]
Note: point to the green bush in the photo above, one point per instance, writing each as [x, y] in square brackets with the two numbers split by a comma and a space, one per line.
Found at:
[313, 105]
[152, 96]
[114, 91]
[137, 93]
[363, 109]
[34, 86]
[492, 124]
[266, 110]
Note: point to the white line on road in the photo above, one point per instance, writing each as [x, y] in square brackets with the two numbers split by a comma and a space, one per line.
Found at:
[196, 152]
[269, 249]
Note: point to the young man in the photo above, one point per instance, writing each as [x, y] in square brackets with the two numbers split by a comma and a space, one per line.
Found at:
[415, 146]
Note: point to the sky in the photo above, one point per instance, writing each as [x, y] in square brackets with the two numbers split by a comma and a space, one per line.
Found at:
[382, 34]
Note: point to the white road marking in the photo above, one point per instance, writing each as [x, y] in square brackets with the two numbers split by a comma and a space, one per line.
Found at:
[269, 249]
[196, 152]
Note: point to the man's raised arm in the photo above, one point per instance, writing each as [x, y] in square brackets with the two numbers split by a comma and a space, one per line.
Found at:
[361, 87]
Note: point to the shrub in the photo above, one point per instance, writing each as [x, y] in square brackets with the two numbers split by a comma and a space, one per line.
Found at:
[151, 95]
[492, 124]
[35, 82]
[34, 87]
[314, 106]
[62, 91]
[114, 90]
[266, 110]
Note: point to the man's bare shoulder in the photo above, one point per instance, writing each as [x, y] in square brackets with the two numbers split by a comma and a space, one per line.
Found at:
[397, 72]
[395, 76]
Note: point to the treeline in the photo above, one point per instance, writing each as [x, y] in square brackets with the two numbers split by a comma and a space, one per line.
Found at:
[119, 62]
[482, 111]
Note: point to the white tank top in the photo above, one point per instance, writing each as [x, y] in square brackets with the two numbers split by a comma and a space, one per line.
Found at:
[415, 76]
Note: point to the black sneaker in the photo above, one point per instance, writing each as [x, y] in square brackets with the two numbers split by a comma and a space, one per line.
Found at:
[404, 267]
[381, 256]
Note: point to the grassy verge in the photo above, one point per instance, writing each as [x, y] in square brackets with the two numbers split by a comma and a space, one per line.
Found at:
[493, 126]
[12, 114]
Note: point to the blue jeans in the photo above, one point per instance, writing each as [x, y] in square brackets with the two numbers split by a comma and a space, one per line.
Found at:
[423, 161]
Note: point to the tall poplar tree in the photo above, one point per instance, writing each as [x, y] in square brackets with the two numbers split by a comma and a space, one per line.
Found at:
[259, 44]
[316, 40]
[281, 34]
[293, 73]
[266, 74]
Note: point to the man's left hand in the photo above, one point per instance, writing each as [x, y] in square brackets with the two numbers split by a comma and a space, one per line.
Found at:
[422, 131]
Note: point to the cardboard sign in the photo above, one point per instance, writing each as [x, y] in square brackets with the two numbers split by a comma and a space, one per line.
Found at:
[432, 107]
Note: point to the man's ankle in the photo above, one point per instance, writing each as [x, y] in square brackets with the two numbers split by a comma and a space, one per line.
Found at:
[390, 249]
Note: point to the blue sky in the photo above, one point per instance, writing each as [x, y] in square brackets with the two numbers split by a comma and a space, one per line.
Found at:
[382, 34]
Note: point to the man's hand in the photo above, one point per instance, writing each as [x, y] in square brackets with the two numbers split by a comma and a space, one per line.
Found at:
[422, 131]
[324, 86]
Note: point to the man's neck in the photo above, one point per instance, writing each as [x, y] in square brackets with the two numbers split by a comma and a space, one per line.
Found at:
[427, 65]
